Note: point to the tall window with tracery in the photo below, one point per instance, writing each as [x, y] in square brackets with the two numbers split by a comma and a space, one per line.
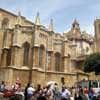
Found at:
[8, 57]
[26, 53]
[57, 61]
[41, 55]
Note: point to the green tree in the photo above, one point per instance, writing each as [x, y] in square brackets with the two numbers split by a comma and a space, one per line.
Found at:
[92, 63]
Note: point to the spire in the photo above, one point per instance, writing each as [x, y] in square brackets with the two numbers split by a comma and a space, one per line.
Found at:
[37, 21]
[75, 25]
[51, 25]
[18, 21]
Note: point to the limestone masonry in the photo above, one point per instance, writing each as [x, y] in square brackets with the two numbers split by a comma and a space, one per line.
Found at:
[32, 52]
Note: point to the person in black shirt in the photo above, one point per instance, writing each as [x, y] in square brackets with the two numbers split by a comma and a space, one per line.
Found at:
[26, 91]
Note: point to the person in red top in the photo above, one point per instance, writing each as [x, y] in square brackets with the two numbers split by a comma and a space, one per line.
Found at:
[86, 92]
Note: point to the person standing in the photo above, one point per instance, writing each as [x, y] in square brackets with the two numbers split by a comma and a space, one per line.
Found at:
[49, 93]
[2, 86]
[81, 95]
[25, 93]
[65, 94]
[56, 92]
[17, 86]
[30, 91]
[86, 92]
[91, 94]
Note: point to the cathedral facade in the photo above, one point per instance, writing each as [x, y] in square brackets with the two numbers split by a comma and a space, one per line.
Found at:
[34, 53]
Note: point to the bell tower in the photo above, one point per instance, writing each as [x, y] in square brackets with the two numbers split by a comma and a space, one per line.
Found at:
[97, 33]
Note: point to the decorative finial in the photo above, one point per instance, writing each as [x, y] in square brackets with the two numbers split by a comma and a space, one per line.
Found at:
[19, 20]
[75, 21]
[51, 25]
[37, 21]
[75, 24]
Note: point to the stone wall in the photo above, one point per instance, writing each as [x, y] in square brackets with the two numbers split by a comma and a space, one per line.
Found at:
[6, 75]
[70, 79]
[12, 17]
[10, 75]
[94, 77]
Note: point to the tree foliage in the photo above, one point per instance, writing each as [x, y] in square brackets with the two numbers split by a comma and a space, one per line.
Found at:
[92, 63]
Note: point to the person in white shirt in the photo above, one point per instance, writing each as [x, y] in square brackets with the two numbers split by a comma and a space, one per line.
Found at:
[65, 94]
[2, 86]
[30, 91]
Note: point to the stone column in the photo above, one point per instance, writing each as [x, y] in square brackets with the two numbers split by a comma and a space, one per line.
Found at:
[48, 60]
[44, 63]
[52, 62]
[62, 65]
[30, 61]
[66, 64]
[12, 56]
[66, 57]
[0, 57]
[36, 57]
[15, 56]
[1, 18]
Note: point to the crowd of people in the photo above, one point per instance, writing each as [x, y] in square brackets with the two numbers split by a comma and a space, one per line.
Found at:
[48, 92]
[51, 92]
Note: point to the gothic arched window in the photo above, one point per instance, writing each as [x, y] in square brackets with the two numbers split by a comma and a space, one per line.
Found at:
[26, 46]
[41, 55]
[5, 23]
[8, 57]
[57, 61]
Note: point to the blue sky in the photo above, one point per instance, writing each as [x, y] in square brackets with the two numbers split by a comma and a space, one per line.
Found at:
[63, 12]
